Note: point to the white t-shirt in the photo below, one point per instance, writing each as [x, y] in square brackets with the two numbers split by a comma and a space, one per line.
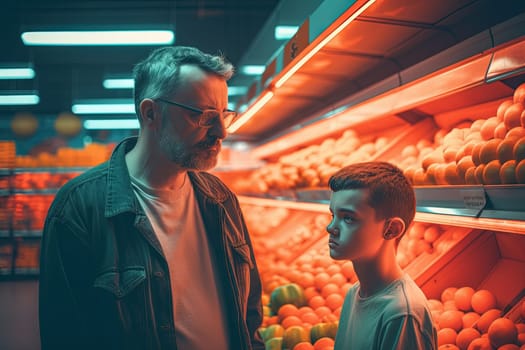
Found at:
[198, 311]
[397, 317]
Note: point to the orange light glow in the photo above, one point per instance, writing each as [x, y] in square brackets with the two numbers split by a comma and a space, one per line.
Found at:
[321, 44]
[251, 111]
[513, 226]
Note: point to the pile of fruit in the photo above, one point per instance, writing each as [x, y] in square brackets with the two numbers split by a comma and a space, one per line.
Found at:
[468, 319]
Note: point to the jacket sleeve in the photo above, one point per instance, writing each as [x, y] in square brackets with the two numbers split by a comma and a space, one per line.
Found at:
[63, 274]
[254, 312]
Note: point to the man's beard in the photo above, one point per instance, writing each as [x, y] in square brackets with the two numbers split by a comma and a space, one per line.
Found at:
[201, 158]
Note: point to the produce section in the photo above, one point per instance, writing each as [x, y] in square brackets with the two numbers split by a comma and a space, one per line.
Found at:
[457, 130]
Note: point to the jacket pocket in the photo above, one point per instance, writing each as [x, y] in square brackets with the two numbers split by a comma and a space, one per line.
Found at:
[120, 282]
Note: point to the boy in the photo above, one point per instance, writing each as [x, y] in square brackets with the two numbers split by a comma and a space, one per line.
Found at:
[372, 205]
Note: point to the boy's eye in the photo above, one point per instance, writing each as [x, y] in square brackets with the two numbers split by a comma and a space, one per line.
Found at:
[348, 219]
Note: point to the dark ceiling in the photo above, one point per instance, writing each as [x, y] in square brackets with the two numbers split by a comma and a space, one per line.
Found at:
[67, 73]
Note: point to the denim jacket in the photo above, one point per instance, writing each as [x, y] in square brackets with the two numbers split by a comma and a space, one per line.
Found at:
[104, 281]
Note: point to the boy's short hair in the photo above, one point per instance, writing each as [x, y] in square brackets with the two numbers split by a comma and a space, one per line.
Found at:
[390, 191]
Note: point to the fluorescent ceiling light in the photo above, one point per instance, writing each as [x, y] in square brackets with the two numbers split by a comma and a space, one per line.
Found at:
[103, 108]
[118, 83]
[253, 69]
[111, 124]
[237, 90]
[99, 37]
[15, 100]
[231, 106]
[285, 32]
[17, 73]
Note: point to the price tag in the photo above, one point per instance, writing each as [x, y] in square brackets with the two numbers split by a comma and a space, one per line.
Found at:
[474, 199]
[297, 43]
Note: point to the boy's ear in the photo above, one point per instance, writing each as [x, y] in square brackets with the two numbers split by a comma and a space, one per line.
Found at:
[394, 228]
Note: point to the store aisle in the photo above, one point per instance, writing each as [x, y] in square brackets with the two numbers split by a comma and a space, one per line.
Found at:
[19, 315]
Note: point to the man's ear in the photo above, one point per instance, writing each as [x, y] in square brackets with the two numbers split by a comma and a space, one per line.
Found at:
[394, 227]
[147, 111]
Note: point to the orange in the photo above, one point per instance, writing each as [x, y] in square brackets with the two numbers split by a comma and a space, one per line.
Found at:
[322, 311]
[450, 152]
[287, 310]
[333, 301]
[446, 336]
[419, 177]
[290, 321]
[310, 292]
[347, 269]
[500, 131]
[520, 172]
[448, 347]
[488, 127]
[316, 302]
[469, 319]
[518, 151]
[480, 344]
[509, 347]
[502, 331]
[463, 164]
[333, 269]
[338, 279]
[517, 132]
[483, 300]
[476, 124]
[522, 310]
[323, 343]
[476, 151]
[505, 150]
[448, 294]
[512, 115]
[310, 317]
[306, 280]
[431, 233]
[470, 176]
[486, 319]
[451, 319]
[451, 175]
[491, 173]
[435, 156]
[435, 305]
[463, 297]
[465, 150]
[465, 337]
[479, 173]
[489, 151]
[321, 279]
[328, 289]
[522, 119]
[519, 94]
[502, 108]
[304, 345]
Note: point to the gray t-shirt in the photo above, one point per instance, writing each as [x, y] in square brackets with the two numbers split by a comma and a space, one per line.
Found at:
[397, 317]
[199, 313]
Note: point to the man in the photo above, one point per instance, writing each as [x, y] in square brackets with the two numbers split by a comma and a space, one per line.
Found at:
[148, 251]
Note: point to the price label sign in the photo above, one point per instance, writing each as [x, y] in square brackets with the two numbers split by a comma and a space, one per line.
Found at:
[298, 43]
[475, 198]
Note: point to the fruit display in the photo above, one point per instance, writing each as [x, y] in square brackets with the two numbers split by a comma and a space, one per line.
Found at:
[27, 212]
[467, 319]
[312, 166]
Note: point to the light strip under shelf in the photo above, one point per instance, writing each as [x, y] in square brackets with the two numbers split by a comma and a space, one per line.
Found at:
[321, 44]
[513, 226]
[98, 37]
[250, 112]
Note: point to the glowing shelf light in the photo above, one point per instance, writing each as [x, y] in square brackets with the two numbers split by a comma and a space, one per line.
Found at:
[251, 111]
[19, 100]
[110, 83]
[17, 73]
[103, 108]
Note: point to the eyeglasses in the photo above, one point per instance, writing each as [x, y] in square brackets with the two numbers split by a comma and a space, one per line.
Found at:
[207, 117]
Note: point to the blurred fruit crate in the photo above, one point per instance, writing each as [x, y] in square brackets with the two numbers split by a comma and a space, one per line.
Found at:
[482, 260]
[27, 257]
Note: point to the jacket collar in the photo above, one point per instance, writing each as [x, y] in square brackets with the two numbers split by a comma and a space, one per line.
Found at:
[120, 197]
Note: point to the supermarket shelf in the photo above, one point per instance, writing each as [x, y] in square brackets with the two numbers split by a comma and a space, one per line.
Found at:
[27, 233]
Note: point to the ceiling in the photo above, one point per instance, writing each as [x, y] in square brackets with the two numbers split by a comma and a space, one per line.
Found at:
[240, 29]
